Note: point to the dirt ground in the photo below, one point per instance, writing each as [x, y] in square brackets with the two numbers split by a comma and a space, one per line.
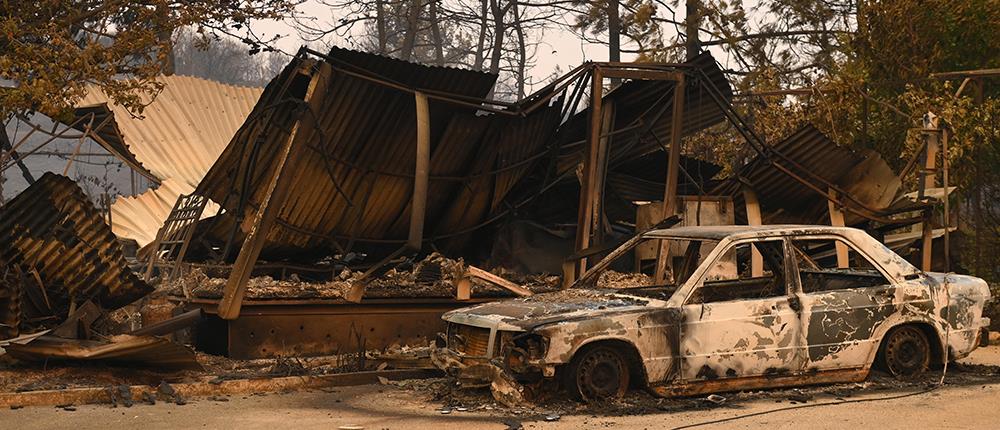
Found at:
[966, 400]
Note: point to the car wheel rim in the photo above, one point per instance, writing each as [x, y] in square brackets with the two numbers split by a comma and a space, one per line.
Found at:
[600, 375]
[906, 352]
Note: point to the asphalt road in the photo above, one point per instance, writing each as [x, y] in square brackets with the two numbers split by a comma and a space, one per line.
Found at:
[965, 403]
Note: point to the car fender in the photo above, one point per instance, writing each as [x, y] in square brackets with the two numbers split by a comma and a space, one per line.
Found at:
[897, 320]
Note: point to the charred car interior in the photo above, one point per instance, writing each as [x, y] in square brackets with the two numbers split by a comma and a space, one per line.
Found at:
[734, 308]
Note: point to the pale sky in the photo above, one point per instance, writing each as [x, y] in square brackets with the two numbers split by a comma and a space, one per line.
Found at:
[559, 48]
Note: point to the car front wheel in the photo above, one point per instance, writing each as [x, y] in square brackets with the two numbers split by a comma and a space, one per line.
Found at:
[597, 373]
[906, 352]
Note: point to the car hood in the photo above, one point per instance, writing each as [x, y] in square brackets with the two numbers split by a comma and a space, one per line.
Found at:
[529, 312]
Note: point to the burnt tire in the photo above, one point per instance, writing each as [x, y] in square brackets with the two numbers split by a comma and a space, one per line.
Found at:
[597, 373]
[906, 352]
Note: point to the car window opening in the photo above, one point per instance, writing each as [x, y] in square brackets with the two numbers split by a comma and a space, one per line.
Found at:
[821, 269]
[635, 269]
[733, 276]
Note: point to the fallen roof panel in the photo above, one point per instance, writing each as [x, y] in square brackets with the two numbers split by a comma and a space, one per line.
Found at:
[149, 351]
[861, 173]
[181, 132]
[52, 228]
[356, 184]
[177, 139]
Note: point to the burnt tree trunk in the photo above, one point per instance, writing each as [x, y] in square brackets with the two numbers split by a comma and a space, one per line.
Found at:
[522, 52]
[481, 44]
[412, 27]
[436, 34]
[614, 37]
[380, 26]
[498, 32]
[692, 22]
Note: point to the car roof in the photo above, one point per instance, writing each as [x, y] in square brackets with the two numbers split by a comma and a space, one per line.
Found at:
[719, 232]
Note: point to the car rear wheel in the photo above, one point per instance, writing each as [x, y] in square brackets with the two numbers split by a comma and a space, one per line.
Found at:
[597, 373]
[907, 352]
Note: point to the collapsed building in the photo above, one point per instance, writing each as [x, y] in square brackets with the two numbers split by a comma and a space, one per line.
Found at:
[358, 197]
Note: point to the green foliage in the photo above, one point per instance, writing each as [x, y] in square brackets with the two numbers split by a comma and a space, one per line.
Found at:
[50, 49]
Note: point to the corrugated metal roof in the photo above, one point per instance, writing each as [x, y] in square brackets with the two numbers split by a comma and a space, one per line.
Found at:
[179, 136]
[181, 132]
[140, 217]
[54, 229]
[356, 183]
[649, 104]
[783, 199]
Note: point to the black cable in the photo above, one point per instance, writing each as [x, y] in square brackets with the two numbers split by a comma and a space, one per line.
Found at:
[803, 406]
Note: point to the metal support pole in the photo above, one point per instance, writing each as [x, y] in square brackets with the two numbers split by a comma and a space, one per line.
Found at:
[947, 198]
[418, 204]
[418, 208]
[929, 181]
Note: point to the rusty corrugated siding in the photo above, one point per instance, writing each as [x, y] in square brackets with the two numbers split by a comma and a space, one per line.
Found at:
[54, 229]
[150, 351]
[356, 182]
[860, 172]
[649, 104]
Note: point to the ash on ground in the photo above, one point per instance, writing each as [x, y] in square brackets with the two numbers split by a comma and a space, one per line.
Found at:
[432, 277]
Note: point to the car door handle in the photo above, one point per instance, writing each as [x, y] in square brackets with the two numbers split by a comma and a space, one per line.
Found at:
[794, 303]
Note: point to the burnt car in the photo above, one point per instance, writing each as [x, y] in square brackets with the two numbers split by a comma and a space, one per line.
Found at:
[732, 308]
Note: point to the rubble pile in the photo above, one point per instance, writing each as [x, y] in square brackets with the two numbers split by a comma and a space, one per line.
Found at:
[618, 280]
[433, 276]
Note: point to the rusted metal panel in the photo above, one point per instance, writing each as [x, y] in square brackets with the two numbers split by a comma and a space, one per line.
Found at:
[783, 199]
[643, 115]
[53, 229]
[150, 351]
[355, 186]
[271, 328]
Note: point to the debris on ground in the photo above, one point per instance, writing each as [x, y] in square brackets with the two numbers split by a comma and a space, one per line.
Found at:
[433, 276]
[612, 279]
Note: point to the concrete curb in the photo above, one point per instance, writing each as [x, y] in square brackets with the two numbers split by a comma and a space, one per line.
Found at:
[192, 390]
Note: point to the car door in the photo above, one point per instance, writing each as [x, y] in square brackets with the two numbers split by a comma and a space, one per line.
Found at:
[844, 296]
[740, 320]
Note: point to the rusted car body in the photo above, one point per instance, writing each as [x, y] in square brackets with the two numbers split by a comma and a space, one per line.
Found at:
[763, 307]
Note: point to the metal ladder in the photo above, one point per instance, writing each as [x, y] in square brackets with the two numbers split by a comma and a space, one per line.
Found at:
[173, 238]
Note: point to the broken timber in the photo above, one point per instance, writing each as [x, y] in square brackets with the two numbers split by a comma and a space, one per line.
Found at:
[590, 219]
[475, 272]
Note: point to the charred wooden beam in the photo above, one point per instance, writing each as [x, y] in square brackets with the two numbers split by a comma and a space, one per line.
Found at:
[475, 272]
[673, 170]
[274, 197]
